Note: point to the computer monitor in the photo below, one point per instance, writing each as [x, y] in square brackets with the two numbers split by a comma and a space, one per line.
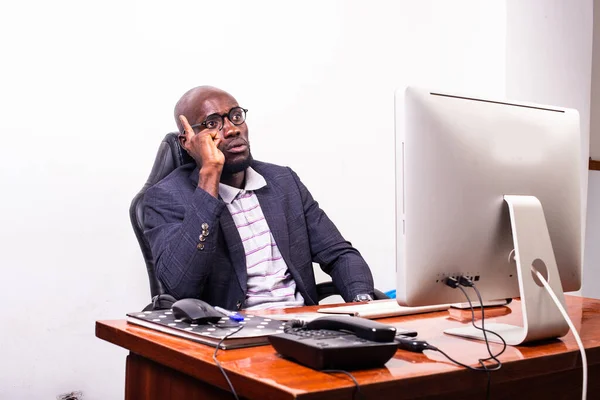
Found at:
[485, 189]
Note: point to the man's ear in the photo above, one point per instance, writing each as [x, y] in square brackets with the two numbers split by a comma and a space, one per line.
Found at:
[182, 140]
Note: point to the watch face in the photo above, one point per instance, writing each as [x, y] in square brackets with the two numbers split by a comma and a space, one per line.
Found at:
[363, 297]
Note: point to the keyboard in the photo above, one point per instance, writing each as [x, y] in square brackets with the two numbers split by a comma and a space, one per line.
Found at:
[381, 309]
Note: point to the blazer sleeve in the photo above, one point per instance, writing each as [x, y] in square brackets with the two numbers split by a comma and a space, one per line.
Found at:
[173, 227]
[336, 256]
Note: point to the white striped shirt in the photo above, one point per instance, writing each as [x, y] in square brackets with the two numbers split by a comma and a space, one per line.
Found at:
[270, 284]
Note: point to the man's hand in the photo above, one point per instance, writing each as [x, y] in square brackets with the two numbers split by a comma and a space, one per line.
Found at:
[203, 147]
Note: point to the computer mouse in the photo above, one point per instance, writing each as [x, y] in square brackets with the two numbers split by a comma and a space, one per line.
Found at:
[195, 311]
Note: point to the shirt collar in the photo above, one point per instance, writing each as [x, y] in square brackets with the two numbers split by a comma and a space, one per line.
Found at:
[254, 181]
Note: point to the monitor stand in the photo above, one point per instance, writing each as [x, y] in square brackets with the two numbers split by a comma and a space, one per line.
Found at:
[533, 250]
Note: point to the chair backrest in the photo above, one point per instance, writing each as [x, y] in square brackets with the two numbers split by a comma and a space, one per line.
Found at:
[170, 156]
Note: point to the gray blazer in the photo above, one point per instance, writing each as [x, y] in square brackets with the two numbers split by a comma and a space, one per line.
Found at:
[175, 210]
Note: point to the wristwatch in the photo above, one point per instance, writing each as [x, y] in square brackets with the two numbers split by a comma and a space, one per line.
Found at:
[362, 297]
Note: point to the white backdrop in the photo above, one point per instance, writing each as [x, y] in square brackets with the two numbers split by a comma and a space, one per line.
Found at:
[559, 75]
[87, 93]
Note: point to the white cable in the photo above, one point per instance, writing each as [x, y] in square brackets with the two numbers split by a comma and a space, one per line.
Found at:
[573, 330]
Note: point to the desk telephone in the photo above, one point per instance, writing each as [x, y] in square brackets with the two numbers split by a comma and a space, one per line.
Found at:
[338, 342]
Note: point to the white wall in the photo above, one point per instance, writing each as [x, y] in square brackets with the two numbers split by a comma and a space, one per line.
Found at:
[591, 272]
[549, 61]
[595, 95]
[87, 94]
[591, 284]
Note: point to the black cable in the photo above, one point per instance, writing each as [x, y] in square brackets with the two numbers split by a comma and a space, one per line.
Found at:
[486, 341]
[458, 283]
[433, 348]
[488, 387]
[357, 386]
[484, 368]
[219, 364]
[467, 282]
[482, 328]
[482, 361]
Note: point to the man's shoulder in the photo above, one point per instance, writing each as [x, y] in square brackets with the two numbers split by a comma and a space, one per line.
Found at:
[178, 179]
[271, 171]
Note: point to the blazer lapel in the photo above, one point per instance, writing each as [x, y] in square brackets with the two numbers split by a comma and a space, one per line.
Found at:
[232, 240]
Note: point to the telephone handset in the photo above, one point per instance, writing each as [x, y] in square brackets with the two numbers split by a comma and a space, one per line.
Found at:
[337, 342]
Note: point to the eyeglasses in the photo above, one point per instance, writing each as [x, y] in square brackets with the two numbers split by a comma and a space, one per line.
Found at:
[237, 116]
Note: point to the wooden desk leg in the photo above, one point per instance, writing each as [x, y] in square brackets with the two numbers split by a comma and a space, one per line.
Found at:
[148, 380]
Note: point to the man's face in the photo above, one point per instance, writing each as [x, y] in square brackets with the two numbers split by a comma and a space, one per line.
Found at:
[234, 144]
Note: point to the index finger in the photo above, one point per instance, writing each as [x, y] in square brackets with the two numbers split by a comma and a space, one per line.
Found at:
[187, 128]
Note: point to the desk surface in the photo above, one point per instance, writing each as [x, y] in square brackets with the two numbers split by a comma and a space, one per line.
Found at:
[551, 368]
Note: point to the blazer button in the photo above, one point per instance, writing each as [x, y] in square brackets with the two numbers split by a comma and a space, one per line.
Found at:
[200, 246]
[238, 305]
[204, 226]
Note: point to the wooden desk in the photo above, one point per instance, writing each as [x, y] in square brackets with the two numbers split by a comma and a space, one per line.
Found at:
[163, 367]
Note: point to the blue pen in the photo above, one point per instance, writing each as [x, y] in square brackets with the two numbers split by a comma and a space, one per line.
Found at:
[232, 315]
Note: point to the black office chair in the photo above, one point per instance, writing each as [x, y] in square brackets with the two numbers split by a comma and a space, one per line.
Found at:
[170, 156]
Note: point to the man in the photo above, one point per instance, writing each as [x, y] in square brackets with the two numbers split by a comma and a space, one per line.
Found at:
[236, 232]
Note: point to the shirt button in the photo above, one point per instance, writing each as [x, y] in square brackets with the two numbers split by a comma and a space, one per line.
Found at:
[200, 246]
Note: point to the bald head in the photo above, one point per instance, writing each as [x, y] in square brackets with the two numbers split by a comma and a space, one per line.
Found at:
[193, 100]
[200, 106]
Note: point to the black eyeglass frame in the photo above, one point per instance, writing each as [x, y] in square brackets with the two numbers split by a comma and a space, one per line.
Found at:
[228, 115]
